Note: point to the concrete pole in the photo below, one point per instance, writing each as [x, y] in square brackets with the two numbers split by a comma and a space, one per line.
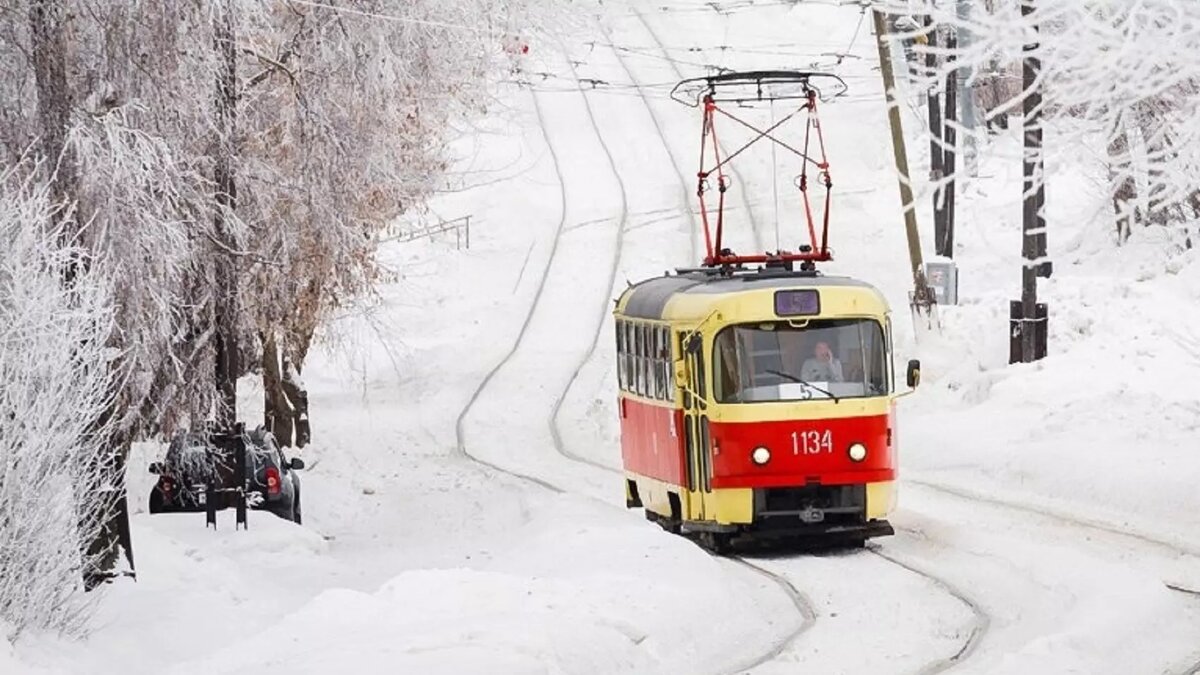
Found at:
[1031, 222]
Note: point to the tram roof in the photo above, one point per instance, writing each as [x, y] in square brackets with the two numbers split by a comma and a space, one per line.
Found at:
[648, 299]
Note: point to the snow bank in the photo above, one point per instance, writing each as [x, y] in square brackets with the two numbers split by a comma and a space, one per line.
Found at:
[576, 591]
[1105, 425]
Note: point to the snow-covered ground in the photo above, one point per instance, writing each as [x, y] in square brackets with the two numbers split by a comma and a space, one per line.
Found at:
[462, 513]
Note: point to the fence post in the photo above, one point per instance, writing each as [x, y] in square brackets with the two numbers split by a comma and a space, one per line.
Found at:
[239, 445]
[468, 233]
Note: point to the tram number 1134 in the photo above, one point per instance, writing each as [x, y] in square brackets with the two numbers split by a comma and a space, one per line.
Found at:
[812, 442]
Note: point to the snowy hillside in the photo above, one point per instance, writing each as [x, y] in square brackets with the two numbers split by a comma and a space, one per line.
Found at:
[464, 508]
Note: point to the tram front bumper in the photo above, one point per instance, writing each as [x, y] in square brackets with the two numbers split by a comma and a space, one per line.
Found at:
[779, 528]
[820, 510]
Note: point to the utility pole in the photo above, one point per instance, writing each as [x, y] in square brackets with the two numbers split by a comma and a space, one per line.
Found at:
[922, 297]
[933, 109]
[945, 241]
[1029, 325]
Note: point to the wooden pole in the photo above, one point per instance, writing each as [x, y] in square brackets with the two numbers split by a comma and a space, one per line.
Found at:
[922, 296]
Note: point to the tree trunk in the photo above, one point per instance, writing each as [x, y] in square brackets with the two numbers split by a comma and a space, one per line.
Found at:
[277, 411]
[1124, 189]
[226, 304]
[297, 396]
[47, 19]
[104, 525]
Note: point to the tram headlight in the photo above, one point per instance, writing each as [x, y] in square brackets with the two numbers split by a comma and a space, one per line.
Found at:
[761, 455]
[858, 452]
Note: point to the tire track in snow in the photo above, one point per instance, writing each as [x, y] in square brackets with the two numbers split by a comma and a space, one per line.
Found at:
[537, 296]
[758, 241]
[1077, 521]
[979, 626]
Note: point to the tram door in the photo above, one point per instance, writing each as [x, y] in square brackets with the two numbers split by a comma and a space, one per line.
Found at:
[695, 411]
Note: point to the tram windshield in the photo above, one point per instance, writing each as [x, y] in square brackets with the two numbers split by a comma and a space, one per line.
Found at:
[777, 361]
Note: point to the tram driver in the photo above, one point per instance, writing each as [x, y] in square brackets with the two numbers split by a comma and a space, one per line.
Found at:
[822, 366]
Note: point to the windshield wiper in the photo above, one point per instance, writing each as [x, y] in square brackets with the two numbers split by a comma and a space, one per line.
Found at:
[797, 380]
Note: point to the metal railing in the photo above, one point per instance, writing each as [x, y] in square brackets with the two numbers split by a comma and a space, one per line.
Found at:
[461, 227]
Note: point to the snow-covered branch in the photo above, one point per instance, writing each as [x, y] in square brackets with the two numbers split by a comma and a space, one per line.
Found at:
[55, 366]
[1121, 70]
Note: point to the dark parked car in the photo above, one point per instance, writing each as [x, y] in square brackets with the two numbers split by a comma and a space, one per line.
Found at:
[195, 459]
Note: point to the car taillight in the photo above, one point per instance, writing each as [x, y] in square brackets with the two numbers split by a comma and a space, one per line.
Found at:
[272, 480]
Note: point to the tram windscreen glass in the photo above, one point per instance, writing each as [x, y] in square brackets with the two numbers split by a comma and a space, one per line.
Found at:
[775, 361]
[797, 303]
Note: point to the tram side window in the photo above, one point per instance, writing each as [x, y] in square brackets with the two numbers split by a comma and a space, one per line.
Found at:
[652, 362]
[643, 349]
[620, 330]
[651, 370]
[647, 360]
[660, 383]
[629, 356]
[636, 360]
[664, 363]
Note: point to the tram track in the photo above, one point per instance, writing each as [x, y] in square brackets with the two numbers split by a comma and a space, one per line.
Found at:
[1079, 521]
[799, 600]
[801, 603]
[786, 586]
[459, 422]
[981, 623]
[618, 252]
[1109, 536]
[982, 619]
[1067, 519]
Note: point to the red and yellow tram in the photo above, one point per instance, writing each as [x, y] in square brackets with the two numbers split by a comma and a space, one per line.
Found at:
[758, 403]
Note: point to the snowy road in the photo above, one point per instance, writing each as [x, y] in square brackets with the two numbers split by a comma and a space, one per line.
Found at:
[987, 617]
[464, 513]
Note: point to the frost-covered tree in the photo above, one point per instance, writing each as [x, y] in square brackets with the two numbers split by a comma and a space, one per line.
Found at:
[352, 105]
[1120, 69]
[229, 163]
[55, 485]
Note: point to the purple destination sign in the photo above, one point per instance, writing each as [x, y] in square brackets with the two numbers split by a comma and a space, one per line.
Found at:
[797, 303]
